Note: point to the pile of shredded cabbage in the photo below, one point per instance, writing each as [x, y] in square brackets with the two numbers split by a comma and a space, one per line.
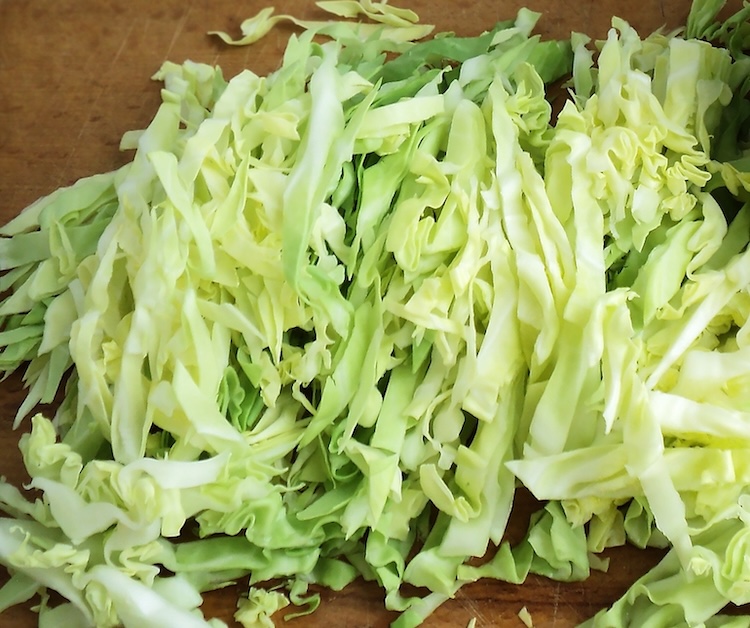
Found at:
[326, 321]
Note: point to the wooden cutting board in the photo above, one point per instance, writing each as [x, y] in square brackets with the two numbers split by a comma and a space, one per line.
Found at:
[75, 75]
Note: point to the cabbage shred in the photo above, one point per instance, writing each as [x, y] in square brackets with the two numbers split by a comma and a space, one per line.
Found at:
[326, 322]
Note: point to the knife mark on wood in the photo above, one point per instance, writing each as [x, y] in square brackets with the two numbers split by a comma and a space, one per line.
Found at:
[123, 44]
[555, 604]
[178, 30]
[469, 604]
[92, 105]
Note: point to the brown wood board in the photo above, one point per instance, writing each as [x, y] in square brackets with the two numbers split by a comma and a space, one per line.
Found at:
[75, 75]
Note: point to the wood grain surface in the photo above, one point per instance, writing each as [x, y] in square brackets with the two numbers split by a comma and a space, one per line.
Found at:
[75, 75]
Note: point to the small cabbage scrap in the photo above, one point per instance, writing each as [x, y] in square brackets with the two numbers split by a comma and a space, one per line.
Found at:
[326, 321]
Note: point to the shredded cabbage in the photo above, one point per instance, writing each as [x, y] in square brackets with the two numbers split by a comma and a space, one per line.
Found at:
[327, 320]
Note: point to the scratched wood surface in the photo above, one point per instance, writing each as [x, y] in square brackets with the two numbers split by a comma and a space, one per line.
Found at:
[74, 75]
